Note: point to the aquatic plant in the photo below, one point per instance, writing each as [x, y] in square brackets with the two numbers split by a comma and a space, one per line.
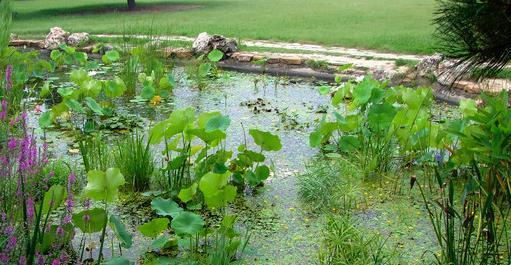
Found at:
[330, 185]
[96, 154]
[135, 160]
[343, 243]
[473, 230]
[103, 187]
[204, 67]
[380, 124]
[68, 56]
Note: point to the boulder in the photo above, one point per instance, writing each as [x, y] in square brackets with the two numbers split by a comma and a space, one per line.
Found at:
[204, 43]
[77, 39]
[429, 64]
[55, 38]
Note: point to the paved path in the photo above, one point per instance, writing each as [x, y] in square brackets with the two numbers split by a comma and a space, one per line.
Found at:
[293, 46]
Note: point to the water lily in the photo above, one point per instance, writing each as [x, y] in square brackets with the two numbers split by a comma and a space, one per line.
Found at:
[156, 100]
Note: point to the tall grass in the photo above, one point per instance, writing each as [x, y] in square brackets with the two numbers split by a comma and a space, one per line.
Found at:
[344, 244]
[135, 160]
[330, 185]
[95, 153]
[5, 22]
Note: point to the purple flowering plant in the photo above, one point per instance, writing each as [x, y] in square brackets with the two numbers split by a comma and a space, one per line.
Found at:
[27, 233]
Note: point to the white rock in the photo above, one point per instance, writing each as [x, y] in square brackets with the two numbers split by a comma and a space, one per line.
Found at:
[204, 43]
[76, 39]
[429, 64]
[56, 37]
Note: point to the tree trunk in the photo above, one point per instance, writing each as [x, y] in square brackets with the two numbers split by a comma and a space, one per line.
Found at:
[131, 5]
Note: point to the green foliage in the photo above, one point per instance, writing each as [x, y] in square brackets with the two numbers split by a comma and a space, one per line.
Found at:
[343, 243]
[5, 20]
[217, 193]
[204, 68]
[379, 124]
[330, 185]
[120, 231]
[215, 55]
[478, 145]
[154, 227]
[166, 207]
[228, 243]
[67, 56]
[103, 185]
[90, 221]
[317, 64]
[179, 132]
[95, 153]
[134, 158]
[187, 224]
[110, 57]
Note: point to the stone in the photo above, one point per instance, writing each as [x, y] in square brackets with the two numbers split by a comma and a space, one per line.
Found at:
[468, 86]
[382, 74]
[77, 39]
[242, 57]
[429, 64]
[205, 43]
[449, 71]
[55, 38]
[181, 53]
[291, 60]
[28, 43]
[272, 59]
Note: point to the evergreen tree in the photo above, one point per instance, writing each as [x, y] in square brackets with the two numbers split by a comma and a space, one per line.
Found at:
[477, 32]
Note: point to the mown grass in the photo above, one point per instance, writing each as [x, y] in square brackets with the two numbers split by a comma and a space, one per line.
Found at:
[398, 25]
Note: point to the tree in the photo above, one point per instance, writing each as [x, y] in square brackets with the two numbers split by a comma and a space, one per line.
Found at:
[477, 32]
[132, 5]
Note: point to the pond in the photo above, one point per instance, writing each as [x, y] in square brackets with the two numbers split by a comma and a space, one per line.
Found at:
[282, 230]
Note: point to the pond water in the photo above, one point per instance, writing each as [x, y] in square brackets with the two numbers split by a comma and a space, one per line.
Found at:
[283, 232]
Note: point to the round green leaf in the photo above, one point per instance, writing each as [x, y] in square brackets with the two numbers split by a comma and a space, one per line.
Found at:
[103, 186]
[154, 228]
[165, 207]
[215, 55]
[185, 195]
[218, 123]
[187, 223]
[94, 106]
[268, 141]
[45, 119]
[96, 220]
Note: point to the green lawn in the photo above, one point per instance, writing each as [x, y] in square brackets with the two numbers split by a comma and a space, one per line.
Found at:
[393, 25]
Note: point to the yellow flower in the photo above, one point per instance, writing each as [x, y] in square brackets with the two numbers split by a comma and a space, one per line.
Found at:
[156, 100]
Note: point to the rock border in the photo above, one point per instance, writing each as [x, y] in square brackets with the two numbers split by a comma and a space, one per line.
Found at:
[286, 65]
